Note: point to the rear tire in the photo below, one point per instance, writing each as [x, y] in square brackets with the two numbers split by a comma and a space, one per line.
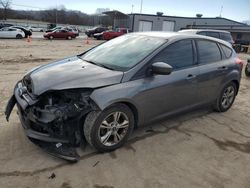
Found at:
[226, 98]
[18, 36]
[109, 129]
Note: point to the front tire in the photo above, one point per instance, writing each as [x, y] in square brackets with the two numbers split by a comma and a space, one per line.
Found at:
[51, 37]
[109, 129]
[226, 98]
[247, 73]
[69, 37]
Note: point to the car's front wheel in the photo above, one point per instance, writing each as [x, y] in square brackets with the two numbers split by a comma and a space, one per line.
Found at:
[247, 71]
[109, 129]
[226, 97]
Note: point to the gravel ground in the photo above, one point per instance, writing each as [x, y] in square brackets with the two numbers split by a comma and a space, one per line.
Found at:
[198, 149]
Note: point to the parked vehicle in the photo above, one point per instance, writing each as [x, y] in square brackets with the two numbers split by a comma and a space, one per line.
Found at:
[60, 33]
[247, 69]
[7, 32]
[91, 32]
[241, 45]
[102, 94]
[108, 35]
[25, 30]
[36, 29]
[5, 25]
[219, 34]
[73, 30]
[55, 28]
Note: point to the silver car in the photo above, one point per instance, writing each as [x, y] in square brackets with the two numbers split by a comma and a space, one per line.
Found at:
[103, 94]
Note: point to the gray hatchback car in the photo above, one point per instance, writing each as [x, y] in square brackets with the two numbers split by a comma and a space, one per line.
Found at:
[103, 94]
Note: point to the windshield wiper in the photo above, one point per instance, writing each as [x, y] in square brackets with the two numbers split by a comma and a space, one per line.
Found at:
[98, 64]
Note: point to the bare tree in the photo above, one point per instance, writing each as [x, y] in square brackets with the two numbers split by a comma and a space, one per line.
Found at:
[5, 4]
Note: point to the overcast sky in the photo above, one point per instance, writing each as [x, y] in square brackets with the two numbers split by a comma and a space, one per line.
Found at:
[238, 10]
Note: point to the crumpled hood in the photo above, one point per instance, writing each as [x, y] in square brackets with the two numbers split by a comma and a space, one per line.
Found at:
[71, 73]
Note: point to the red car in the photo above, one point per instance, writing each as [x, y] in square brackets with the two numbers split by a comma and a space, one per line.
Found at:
[60, 33]
[107, 35]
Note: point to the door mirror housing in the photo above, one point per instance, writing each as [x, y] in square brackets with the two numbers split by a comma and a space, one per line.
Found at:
[161, 68]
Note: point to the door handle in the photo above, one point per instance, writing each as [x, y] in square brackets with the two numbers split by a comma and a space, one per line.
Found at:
[222, 68]
[191, 77]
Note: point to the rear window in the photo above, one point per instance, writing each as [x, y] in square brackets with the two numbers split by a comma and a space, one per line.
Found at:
[227, 51]
[208, 51]
[213, 34]
[202, 33]
[226, 36]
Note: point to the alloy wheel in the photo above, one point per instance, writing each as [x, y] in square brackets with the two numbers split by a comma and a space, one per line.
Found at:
[113, 128]
[228, 97]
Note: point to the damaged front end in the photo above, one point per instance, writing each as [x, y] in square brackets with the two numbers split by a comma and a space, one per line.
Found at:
[54, 119]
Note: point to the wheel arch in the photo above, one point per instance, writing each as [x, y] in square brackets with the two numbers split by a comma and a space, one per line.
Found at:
[129, 103]
[236, 82]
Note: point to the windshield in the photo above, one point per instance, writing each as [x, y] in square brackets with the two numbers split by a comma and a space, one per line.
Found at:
[124, 52]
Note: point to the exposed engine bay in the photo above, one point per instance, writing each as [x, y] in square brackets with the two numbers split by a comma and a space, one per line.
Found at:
[54, 120]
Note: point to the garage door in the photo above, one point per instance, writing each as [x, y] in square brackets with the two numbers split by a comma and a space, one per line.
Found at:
[145, 26]
[168, 26]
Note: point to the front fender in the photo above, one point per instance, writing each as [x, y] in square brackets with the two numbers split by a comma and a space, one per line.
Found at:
[119, 93]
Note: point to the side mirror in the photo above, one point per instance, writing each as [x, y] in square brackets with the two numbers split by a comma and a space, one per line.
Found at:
[161, 68]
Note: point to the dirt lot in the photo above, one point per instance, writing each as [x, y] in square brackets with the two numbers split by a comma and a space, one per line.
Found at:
[198, 149]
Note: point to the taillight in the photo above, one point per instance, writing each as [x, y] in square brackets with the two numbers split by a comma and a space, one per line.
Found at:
[239, 62]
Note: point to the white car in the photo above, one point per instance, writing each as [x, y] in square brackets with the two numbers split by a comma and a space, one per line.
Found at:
[36, 29]
[7, 32]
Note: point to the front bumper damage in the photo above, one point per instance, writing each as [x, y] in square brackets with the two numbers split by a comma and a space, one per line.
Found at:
[56, 129]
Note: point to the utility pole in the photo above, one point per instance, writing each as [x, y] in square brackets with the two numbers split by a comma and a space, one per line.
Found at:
[141, 6]
[221, 9]
[56, 11]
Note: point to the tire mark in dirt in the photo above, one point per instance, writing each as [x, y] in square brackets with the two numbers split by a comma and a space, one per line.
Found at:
[224, 145]
[228, 126]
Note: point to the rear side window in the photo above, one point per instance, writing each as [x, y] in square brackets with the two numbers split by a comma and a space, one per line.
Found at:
[227, 51]
[208, 51]
[213, 34]
[226, 36]
[178, 54]
[202, 33]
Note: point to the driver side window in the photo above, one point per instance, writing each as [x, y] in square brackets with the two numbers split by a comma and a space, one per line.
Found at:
[178, 55]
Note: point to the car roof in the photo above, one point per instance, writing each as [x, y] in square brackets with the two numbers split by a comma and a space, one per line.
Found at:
[178, 35]
[200, 30]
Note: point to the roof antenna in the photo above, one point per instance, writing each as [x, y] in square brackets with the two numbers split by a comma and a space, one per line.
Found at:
[221, 9]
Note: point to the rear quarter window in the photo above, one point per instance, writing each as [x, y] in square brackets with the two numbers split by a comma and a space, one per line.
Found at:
[227, 51]
[208, 51]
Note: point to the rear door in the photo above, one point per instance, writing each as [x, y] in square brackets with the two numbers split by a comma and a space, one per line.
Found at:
[212, 69]
[12, 32]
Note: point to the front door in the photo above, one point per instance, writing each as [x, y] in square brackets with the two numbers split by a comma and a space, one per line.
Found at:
[167, 94]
